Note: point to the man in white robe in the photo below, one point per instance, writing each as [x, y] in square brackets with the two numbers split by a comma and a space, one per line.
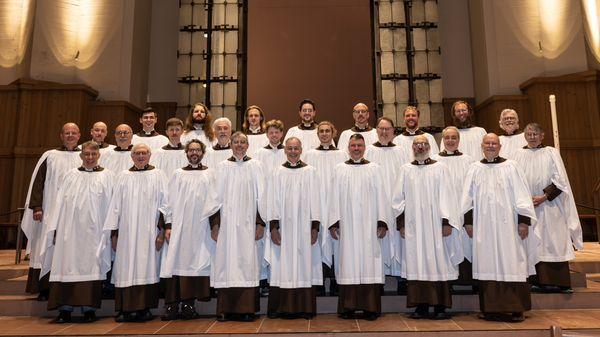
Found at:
[148, 135]
[499, 216]
[411, 122]
[119, 158]
[512, 139]
[390, 157]
[222, 149]
[254, 127]
[555, 210]
[358, 217]
[138, 214]
[306, 131]
[199, 125]
[235, 270]
[360, 113]
[45, 181]
[99, 132]
[79, 263]
[171, 156]
[293, 252]
[186, 266]
[470, 135]
[426, 214]
[458, 164]
[325, 158]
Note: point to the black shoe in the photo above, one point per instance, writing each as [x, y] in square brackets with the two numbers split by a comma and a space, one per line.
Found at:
[63, 317]
[566, 290]
[89, 316]
[422, 311]
[247, 318]
[273, 315]
[347, 315]
[222, 318]
[188, 312]
[307, 316]
[143, 316]
[370, 315]
[42, 296]
[171, 312]
[439, 312]
[490, 317]
[517, 317]
[124, 317]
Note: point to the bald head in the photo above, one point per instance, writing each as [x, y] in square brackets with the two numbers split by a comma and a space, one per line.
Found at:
[293, 149]
[69, 135]
[99, 132]
[140, 154]
[123, 136]
[360, 113]
[490, 146]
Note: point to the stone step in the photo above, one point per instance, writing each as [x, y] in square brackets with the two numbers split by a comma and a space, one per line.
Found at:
[13, 286]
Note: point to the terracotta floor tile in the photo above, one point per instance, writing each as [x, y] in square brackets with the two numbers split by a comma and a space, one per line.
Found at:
[387, 322]
[284, 325]
[432, 325]
[100, 327]
[145, 328]
[331, 323]
[534, 320]
[571, 319]
[194, 326]
[35, 326]
[469, 321]
[236, 327]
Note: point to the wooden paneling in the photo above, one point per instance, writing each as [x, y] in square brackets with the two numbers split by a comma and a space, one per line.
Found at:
[113, 113]
[487, 113]
[8, 133]
[164, 110]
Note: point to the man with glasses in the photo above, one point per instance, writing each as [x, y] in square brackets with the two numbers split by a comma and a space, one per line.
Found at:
[360, 113]
[512, 140]
[119, 158]
[306, 131]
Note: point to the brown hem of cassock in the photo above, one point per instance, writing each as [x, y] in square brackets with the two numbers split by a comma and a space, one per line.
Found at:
[292, 301]
[182, 288]
[76, 294]
[504, 297]
[465, 274]
[135, 298]
[238, 300]
[552, 274]
[34, 283]
[428, 292]
[354, 297]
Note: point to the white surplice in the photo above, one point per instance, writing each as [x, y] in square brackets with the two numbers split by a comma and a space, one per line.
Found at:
[139, 197]
[155, 142]
[370, 137]
[405, 141]
[425, 196]
[470, 141]
[117, 161]
[497, 193]
[255, 142]
[510, 144]
[214, 156]
[197, 134]
[191, 246]
[76, 222]
[296, 263]
[169, 160]
[557, 220]
[309, 138]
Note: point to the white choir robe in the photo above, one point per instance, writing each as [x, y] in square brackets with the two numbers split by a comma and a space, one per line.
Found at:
[76, 222]
[557, 220]
[358, 201]
[405, 141]
[370, 137]
[240, 194]
[104, 151]
[139, 197]
[58, 163]
[256, 141]
[308, 138]
[155, 142]
[470, 141]
[169, 160]
[197, 134]
[296, 263]
[213, 157]
[497, 194]
[511, 144]
[390, 158]
[458, 166]
[191, 247]
[325, 162]
[425, 196]
[117, 161]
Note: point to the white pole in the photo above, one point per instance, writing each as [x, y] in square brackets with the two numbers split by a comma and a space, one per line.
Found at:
[552, 100]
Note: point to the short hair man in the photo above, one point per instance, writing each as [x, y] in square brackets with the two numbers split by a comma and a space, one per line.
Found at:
[512, 139]
[222, 149]
[411, 121]
[360, 114]
[148, 135]
[306, 131]
[119, 158]
[171, 156]
[99, 132]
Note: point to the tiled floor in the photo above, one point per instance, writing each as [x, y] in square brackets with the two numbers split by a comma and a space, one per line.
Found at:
[536, 320]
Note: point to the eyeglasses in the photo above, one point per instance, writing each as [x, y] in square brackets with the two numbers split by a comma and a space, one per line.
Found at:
[194, 151]
[122, 133]
[360, 111]
[307, 110]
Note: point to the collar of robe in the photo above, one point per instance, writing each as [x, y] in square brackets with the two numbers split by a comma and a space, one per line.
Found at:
[427, 161]
[445, 153]
[192, 168]
[258, 131]
[329, 148]
[64, 148]
[218, 147]
[378, 144]
[416, 133]
[198, 126]
[147, 167]
[147, 134]
[234, 159]
[311, 126]
[299, 164]
[355, 128]
[96, 168]
[103, 145]
[118, 149]
[496, 160]
[533, 148]
[517, 132]
[362, 161]
[169, 147]
[279, 147]
[464, 126]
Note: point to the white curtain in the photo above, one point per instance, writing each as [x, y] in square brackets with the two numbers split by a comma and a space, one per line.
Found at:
[16, 21]
[591, 10]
